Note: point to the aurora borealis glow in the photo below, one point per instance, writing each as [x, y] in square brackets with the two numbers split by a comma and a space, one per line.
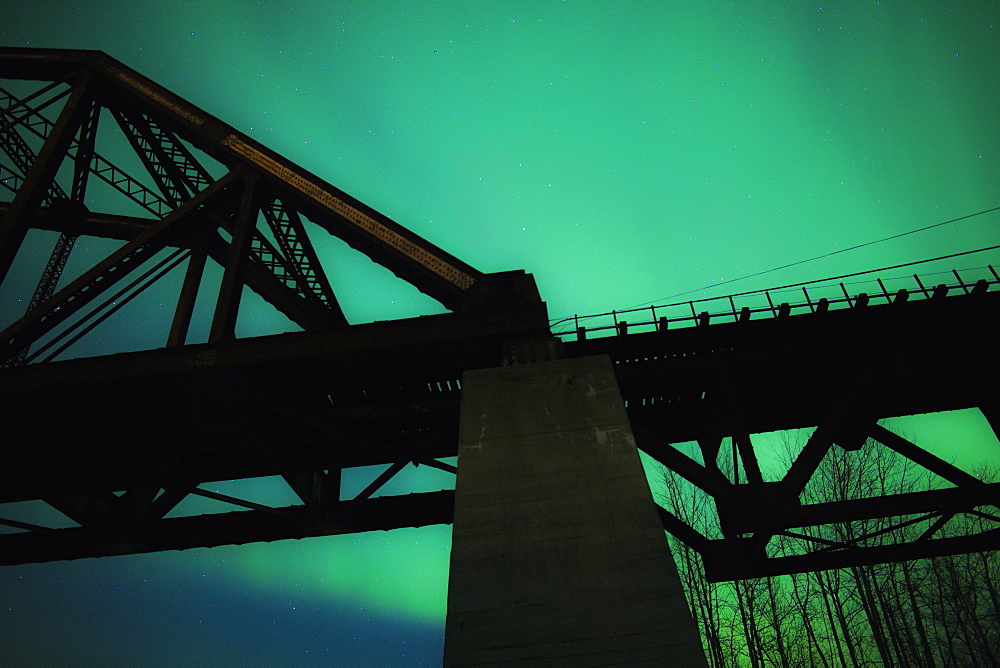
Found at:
[621, 152]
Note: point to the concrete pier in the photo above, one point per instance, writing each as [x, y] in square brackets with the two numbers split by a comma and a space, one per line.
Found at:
[558, 556]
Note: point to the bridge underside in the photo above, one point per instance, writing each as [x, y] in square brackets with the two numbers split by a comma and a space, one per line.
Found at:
[156, 424]
[116, 442]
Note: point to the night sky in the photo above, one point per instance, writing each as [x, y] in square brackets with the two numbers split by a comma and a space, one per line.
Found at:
[621, 152]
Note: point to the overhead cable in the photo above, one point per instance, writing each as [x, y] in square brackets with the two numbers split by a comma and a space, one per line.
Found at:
[826, 255]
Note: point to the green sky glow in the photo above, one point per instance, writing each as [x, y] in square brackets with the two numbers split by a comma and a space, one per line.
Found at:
[619, 151]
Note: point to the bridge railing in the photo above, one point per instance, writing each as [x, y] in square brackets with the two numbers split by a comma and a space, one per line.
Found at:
[803, 298]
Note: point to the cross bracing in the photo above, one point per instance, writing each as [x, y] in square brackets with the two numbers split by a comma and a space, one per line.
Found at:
[115, 442]
[86, 99]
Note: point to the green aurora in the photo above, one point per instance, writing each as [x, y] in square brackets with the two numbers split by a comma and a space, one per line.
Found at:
[621, 152]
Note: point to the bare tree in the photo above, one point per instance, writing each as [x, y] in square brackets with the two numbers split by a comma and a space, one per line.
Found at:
[931, 612]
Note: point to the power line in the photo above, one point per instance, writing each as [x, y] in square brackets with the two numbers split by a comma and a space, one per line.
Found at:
[559, 321]
[825, 255]
[869, 271]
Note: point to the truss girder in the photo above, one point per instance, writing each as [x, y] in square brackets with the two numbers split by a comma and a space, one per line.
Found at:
[263, 278]
[442, 276]
[64, 244]
[82, 164]
[304, 273]
[176, 171]
[830, 372]
[38, 180]
[179, 175]
[261, 275]
[94, 282]
[127, 185]
[322, 400]
[23, 157]
[20, 112]
[36, 123]
[366, 395]
[308, 281]
[53, 269]
[273, 267]
[302, 427]
[236, 528]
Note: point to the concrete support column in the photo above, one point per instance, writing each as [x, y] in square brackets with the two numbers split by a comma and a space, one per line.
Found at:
[558, 556]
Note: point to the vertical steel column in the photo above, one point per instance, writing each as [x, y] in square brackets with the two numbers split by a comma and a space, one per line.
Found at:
[85, 154]
[186, 300]
[231, 290]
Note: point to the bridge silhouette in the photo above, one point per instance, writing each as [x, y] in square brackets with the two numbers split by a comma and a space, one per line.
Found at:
[115, 442]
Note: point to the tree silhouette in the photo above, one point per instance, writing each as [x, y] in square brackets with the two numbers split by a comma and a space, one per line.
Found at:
[932, 612]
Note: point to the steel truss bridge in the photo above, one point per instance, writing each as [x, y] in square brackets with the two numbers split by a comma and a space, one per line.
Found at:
[115, 442]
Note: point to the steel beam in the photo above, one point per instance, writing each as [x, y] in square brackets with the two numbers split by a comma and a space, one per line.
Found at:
[731, 560]
[37, 181]
[94, 282]
[324, 399]
[231, 290]
[444, 277]
[931, 462]
[181, 533]
[261, 275]
[186, 299]
[298, 405]
[911, 503]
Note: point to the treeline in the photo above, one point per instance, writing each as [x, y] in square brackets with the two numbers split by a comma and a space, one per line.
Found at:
[932, 612]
